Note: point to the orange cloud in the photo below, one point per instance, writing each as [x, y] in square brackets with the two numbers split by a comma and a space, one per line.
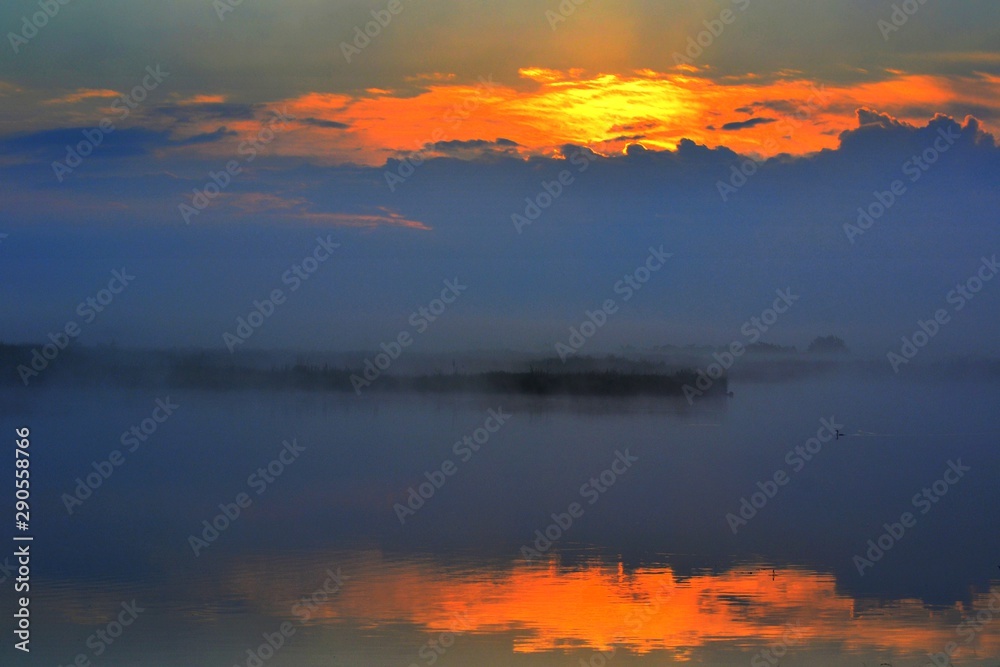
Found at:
[607, 112]
[83, 94]
[359, 220]
[203, 99]
[298, 209]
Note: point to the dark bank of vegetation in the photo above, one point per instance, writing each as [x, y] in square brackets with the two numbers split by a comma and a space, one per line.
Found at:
[542, 383]
[609, 376]
[828, 345]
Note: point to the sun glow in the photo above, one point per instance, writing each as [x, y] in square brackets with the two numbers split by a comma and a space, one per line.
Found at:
[604, 111]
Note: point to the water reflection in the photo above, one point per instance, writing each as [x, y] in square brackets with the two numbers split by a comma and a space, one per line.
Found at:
[653, 570]
[593, 605]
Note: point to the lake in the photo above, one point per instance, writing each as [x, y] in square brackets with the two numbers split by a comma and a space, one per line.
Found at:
[299, 529]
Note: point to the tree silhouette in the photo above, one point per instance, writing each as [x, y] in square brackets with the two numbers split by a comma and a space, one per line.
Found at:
[826, 344]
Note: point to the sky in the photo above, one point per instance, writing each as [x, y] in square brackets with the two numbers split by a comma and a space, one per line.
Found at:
[845, 152]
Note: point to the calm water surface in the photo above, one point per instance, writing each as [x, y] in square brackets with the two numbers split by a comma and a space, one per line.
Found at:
[645, 568]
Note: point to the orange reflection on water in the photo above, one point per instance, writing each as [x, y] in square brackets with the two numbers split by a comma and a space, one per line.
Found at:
[597, 606]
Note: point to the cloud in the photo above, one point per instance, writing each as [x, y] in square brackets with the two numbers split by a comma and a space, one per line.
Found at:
[544, 108]
[301, 209]
[205, 138]
[431, 76]
[744, 124]
[83, 94]
[635, 127]
[472, 143]
[254, 202]
[49, 145]
[203, 99]
[973, 58]
[573, 106]
[473, 147]
[319, 122]
[601, 225]
[869, 117]
[366, 221]
[197, 111]
[787, 107]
